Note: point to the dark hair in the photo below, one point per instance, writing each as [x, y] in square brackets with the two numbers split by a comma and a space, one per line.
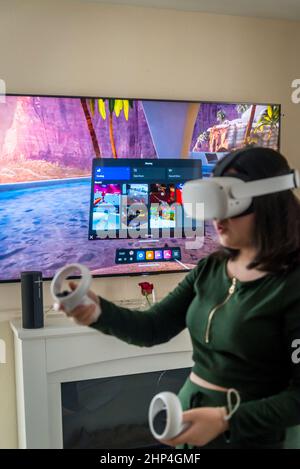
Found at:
[277, 216]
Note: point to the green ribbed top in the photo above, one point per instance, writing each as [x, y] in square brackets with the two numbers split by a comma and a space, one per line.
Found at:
[241, 338]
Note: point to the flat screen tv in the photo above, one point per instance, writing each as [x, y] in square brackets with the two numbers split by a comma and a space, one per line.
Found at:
[67, 163]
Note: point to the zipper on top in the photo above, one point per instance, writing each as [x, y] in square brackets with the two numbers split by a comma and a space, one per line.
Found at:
[231, 290]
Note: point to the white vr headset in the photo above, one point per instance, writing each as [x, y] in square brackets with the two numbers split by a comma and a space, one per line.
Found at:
[226, 197]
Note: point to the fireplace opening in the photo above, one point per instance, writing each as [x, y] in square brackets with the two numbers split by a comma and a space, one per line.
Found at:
[112, 412]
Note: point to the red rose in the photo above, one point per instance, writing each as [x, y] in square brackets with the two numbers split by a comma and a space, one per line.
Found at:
[146, 288]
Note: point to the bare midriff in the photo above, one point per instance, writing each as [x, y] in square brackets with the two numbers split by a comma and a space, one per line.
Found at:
[205, 384]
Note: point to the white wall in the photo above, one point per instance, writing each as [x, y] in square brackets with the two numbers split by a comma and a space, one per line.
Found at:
[80, 48]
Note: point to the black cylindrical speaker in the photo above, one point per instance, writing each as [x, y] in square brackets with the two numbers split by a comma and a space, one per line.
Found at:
[32, 300]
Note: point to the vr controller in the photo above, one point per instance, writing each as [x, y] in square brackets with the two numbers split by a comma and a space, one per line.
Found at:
[70, 299]
[165, 416]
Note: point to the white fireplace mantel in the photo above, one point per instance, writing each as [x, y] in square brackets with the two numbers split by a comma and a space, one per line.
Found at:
[63, 351]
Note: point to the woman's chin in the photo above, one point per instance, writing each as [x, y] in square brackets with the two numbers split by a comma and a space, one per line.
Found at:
[225, 242]
[223, 238]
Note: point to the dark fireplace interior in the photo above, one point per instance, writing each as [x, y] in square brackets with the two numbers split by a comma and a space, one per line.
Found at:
[110, 413]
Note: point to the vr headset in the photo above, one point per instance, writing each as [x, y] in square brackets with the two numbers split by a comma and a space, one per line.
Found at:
[228, 197]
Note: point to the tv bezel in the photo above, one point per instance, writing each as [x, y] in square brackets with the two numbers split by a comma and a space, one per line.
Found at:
[190, 101]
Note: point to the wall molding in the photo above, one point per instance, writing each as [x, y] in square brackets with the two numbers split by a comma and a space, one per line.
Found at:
[10, 314]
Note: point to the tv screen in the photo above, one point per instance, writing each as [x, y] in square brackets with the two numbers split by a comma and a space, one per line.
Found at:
[98, 180]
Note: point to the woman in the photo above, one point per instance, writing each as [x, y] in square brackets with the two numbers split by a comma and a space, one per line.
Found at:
[241, 305]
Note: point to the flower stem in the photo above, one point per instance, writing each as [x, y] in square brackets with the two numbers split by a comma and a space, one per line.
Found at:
[148, 301]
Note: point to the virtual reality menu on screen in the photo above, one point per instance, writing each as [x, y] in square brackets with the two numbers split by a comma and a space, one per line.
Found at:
[136, 198]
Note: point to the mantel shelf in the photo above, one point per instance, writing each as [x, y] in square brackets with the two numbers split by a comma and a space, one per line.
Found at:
[59, 322]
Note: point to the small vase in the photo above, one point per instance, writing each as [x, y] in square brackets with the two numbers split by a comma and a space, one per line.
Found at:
[147, 301]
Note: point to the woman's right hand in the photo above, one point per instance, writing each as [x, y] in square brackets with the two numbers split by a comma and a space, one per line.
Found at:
[84, 314]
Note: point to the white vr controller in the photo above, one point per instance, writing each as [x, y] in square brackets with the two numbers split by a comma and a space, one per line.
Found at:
[165, 416]
[70, 299]
[226, 197]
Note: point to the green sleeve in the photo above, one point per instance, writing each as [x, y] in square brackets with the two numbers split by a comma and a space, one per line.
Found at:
[281, 410]
[156, 325]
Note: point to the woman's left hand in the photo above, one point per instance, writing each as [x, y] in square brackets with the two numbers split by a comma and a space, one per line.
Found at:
[205, 424]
